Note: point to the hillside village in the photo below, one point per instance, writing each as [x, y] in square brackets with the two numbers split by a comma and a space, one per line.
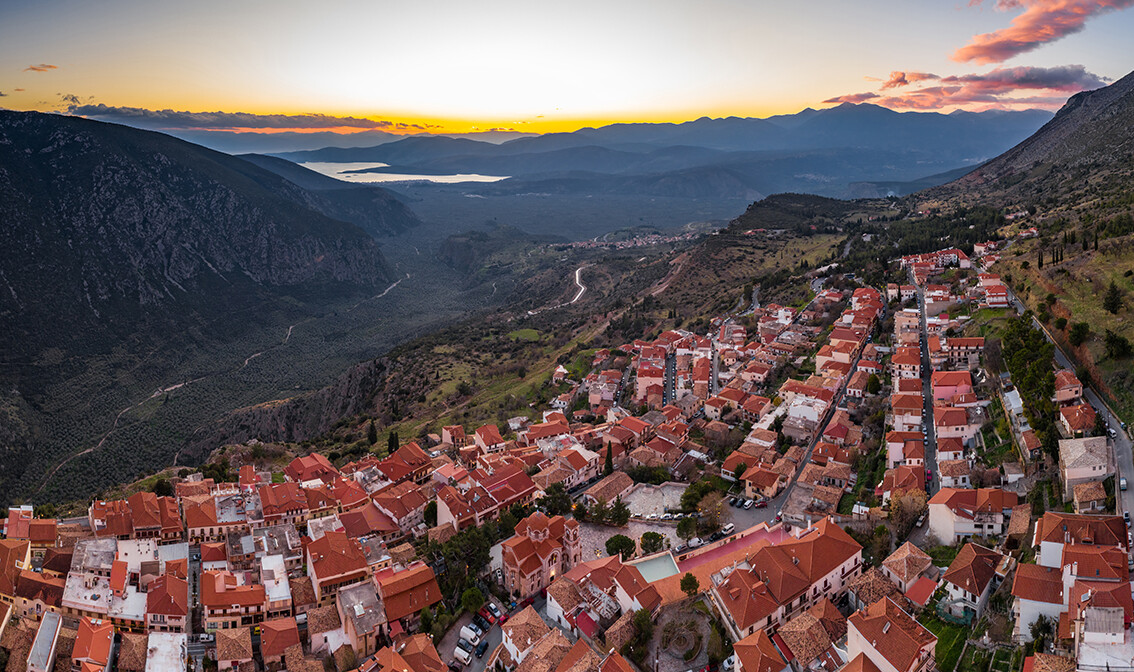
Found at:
[852, 483]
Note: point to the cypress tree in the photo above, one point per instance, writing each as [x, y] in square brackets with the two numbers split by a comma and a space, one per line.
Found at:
[392, 443]
[372, 433]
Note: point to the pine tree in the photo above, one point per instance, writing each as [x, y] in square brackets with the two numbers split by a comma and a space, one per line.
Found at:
[392, 443]
[1112, 301]
[372, 433]
[608, 468]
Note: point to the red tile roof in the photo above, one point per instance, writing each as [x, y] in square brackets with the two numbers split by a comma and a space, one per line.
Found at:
[408, 591]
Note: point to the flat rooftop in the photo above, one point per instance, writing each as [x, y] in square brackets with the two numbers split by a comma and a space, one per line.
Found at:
[166, 651]
[94, 555]
[91, 593]
[43, 647]
[273, 575]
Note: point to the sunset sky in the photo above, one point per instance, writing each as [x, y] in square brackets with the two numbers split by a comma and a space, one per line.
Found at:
[537, 67]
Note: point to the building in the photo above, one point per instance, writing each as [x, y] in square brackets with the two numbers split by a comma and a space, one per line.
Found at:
[1082, 460]
[541, 549]
[779, 581]
[956, 514]
[906, 565]
[971, 578]
[405, 592]
[276, 637]
[41, 656]
[610, 488]
[234, 648]
[167, 604]
[227, 603]
[335, 560]
[363, 617]
[1056, 532]
[757, 653]
[93, 642]
[890, 638]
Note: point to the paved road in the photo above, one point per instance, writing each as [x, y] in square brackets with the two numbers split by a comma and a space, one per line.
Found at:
[1123, 452]
[927, 396]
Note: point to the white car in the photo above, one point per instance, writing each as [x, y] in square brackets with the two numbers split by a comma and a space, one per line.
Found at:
[695, 542]
[749, 504]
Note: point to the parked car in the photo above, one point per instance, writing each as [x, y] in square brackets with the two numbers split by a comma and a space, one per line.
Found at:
[481, 648]
[728, 529]
[464, 645]
[481, 622]
[465, 657]
[471, 633]
[921, 521]
[681, 549]
[761, 503]
[728, 663]
[695, 542]
[499, 576]
[715, 536]
[749, 504]
[454, 666]
[1122, 483]
[205, 637]
[495, 611]
[1126, 517]
[486, 614]
[928, 475]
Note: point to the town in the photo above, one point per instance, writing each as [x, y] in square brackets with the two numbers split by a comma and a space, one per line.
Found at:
[856, 482]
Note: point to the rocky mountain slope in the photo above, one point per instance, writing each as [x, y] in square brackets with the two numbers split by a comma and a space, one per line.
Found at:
[108, 228]
[1084, 154]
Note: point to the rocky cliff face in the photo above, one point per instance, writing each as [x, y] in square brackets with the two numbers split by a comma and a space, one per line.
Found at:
[109, 227]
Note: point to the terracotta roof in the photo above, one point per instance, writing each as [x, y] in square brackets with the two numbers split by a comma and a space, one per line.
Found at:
[907, 562]
[1045, 662]
[973, 568]
[93, 641]
[871, 586]
[525, 628]
[900, 636]
[566, 594]
[132, 652]
[408, 591]
[547, 653]
[323, 619]
[310, 467]
[1091, 491]
[1038, 583]
[860, 663]
[1101, 530]
[422, 656]
[168, 595]
[805, 637]
[234, 644]
[757, 653]
[580, 658]
[219, 590]
[335, 554]
[277, 635]
[610, 487]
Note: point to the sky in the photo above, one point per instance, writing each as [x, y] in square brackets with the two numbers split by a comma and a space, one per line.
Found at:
[473, 65]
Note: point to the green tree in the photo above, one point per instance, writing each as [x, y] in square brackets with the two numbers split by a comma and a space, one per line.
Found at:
[652, 542]
[555, 500]
[1112, 300]
[689, 584]
[1117, 345]
[873, 385]
[1078, 334]
[392, 443]
[372, 433]
[472, 599]
[711, 509]
[739, 471]
[1061, 323]
[431, 513]
[599, 512]
[426, 620]
[619, 513]
[687, 528]
[608, 468]
[620, 544]
[162, 488]
[580, 511]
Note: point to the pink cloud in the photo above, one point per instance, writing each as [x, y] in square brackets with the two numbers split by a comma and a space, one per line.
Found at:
[852, 98]
[1001, 88]
[901, 78]
[1041, 22]
[42, 67]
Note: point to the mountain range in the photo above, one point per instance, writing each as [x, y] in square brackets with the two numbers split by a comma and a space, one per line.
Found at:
[813, 151]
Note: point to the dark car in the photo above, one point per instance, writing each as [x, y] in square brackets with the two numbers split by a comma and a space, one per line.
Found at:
[481, 622]
[454, 666]
[481, 648]
[715, 535]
